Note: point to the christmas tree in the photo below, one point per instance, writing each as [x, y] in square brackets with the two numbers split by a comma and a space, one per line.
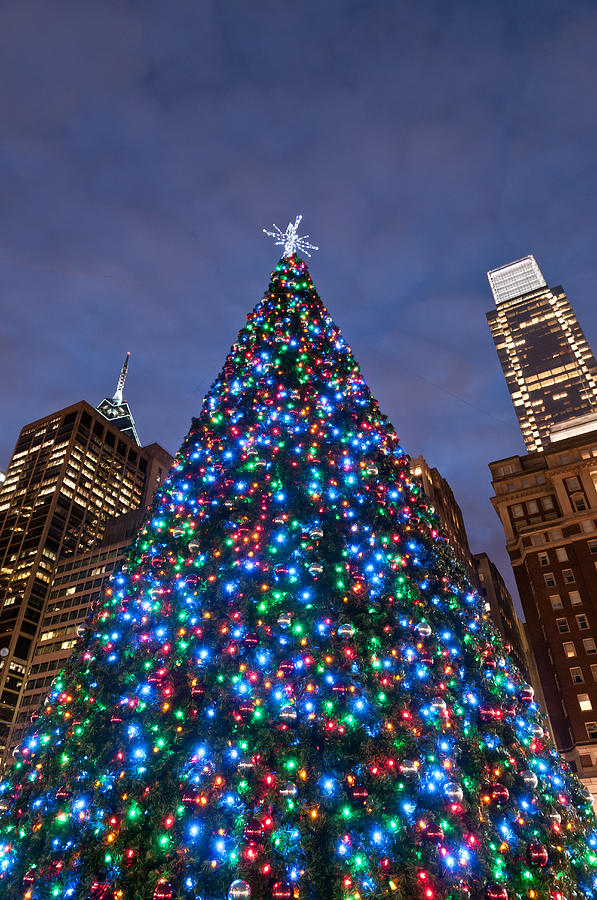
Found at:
[291, 691]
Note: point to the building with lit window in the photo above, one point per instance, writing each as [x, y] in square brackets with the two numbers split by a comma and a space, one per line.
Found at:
[69, 473]
[547, 503]
[77, 585]
[549, 368]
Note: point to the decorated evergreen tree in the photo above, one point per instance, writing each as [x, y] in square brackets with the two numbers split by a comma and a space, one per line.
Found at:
[291, 691]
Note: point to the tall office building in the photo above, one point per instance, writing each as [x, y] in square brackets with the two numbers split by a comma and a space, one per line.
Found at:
[547, 503]
[69, 473]
[77, 584]
[550, 370]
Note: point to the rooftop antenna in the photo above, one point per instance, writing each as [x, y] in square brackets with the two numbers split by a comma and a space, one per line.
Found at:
[118, 398]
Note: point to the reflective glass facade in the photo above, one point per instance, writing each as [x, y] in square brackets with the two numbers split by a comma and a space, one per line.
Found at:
[549, 368]
[70, 472]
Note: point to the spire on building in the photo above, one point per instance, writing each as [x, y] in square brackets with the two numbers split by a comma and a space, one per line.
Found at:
[122, 378]
[117, 410]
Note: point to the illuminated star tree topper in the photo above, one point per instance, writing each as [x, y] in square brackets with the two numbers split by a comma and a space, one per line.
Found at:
[291, 240]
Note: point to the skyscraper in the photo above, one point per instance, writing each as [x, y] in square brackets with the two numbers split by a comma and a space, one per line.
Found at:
[76, 586]
[549, 368]
[69, 473]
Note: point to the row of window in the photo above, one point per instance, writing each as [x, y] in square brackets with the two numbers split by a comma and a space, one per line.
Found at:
[589, 645]
[562, 553]
[550, 579]
[577, 675]
[581, 621]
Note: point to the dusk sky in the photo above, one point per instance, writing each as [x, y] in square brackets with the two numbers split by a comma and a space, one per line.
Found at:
[144, 146]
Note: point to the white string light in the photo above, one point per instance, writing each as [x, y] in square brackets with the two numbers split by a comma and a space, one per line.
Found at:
[290, 239]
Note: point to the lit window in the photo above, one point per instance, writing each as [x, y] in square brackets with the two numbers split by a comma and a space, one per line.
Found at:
[549, 579]
[575, 598]
[577, 675]
[556, 601]
[582, 622]
[563, 626]
[561, 554]
[589, 645]
[584, 702]
[568, 576]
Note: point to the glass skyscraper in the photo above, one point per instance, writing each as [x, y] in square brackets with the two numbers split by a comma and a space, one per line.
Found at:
[549, 368]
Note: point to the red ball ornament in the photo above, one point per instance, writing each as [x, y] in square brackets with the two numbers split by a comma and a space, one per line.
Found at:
[488, 714]
[359, 792]
[433, 833]
[253, 831]
[496, 892]
[282, 891]
[101, 891]
[527, 694]
[537, 854]
[286, 667]
[164, 891]
[499, 793]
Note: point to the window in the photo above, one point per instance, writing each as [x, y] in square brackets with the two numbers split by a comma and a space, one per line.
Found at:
[568, 576]
[555, 534]
[549, 579]
[538, 539]
[582, 622]
[576, 675]
[573, 484]
[575, 598]
[569, 649]
[561, 554]
[563, 626]
[584, 702]
[592, 545]
[578, 501]
[591, 730]
[594, 672]
[556, 601]
[517, 511]
[589, 645]
[588, 526]
[532, 507]
[547, 503]
[543, 558]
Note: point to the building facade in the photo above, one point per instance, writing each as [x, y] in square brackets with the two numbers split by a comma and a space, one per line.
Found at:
[499, 604]
[77, 585]
[547, 503]
[549, 368]
[442, 498]
[69, 473]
